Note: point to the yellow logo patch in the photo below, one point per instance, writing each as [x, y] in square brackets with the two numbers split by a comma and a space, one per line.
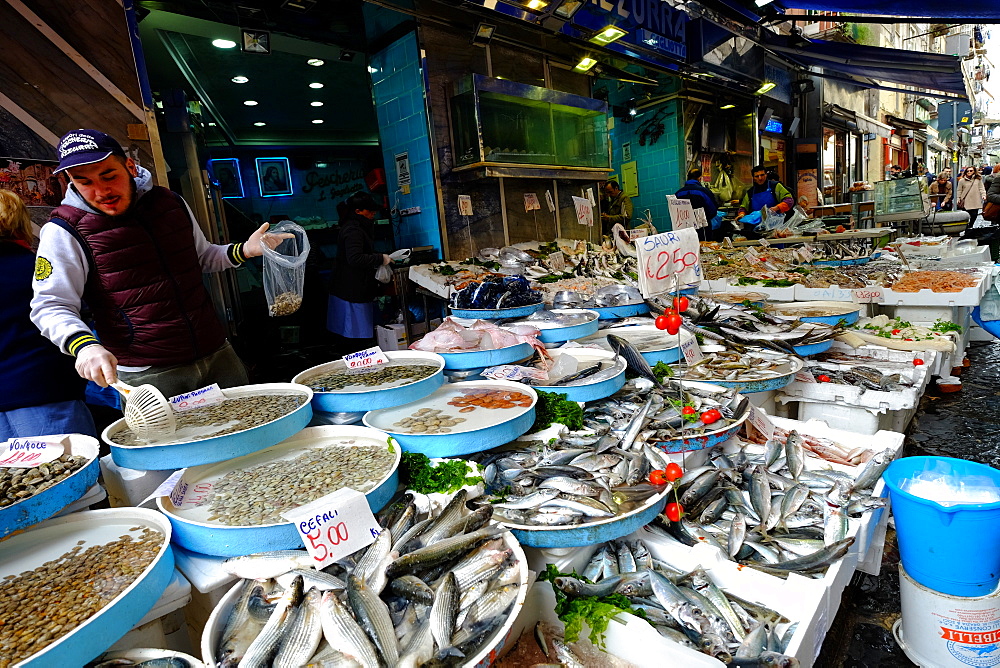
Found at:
[43, 268]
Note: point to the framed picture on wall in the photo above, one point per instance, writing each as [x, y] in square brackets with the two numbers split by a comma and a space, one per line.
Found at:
[274, 177]
[226, 174]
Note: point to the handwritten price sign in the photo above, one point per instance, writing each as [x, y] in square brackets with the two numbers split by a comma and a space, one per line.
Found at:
[873, 295]
[205, 396]
[366, 359]
[681, 213]
[26, 453]
[335, 525]
[665, 256]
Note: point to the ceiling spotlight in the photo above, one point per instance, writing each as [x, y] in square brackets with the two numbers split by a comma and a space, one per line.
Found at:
[728, 106]
[321, 165]
[223, 43]
[483, 35]
[317, 121]
[568, 8]
[315, 62]
[608, 35]
[260, 124]
[316, 104]
[211, 124]
[537, 4]
[347, 56]
[585, 64]
[240, 79]
[250, 103]
[315, 85]
[765, 87]
[631, 106]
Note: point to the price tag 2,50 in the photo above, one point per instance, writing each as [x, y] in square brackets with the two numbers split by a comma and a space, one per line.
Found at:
[366, 359]
[26, 453]
[870, 295]
[334, 526]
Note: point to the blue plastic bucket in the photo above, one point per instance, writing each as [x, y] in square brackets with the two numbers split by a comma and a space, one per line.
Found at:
[951, 549]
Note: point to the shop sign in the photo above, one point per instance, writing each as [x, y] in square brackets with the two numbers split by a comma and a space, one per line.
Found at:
[651, 23]
[336, 182]
[403, 169]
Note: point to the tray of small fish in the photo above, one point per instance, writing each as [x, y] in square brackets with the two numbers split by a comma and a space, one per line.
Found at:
[738, 326]
[102, 570]
[390, 604]
[827, 312]
[559, 325]
[460, 418]
[590, 374]
[586, 487]
[756, 370]
[30, 495]
[145, 658]
[655, 345]
[234, 507]
[678, 420]
[407, 376]
[251, 418]
[882, 386]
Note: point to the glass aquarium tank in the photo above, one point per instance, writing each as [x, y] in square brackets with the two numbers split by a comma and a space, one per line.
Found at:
[503, 122]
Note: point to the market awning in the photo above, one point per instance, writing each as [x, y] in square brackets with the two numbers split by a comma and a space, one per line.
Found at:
[904, 124]
[982, 9]
[933, 71]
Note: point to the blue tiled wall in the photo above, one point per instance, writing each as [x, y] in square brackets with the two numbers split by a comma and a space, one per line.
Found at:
[398, 89]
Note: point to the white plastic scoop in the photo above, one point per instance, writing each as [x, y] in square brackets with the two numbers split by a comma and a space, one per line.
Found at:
[147, 412]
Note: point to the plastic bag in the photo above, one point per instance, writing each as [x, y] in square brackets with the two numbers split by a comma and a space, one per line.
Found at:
[723, 187]
[989, 306]
[285, 269]
[383, 274]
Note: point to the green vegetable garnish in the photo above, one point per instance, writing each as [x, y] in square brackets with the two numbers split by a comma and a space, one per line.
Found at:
[946, 326]
[447, 477]
[553, 407]
[597, 611]
[662, 370]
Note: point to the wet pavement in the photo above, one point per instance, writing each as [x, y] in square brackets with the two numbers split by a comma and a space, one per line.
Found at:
[965, 424]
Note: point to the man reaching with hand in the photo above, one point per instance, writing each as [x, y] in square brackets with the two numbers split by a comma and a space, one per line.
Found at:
[134, 253]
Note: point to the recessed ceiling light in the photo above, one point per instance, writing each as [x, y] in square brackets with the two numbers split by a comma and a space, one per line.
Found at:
[316, 104]
[315, 62]
[608, 35]
[315, 85]
[260, 124]
[317, 120]
[240, 79]
[585, 64]
[250, 103]
[765, 87]
[223, 43]
[728, 106]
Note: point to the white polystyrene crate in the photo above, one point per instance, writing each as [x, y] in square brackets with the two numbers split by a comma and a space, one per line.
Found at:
[922, 314]
[834, 293]
[907, 397]
[855, 418]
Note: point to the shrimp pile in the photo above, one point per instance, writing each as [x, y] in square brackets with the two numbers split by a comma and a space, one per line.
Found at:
[936, 281]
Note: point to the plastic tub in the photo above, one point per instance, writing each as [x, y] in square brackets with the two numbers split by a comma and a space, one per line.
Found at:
[951, 549]
[497, 313]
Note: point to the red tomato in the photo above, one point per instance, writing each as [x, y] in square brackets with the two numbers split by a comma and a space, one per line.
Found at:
[907, 339]
[710, 416]
[681, 304]
[823, 378]
[674, 512]
[661, 322]
[674, 323]
[674, 472]
[657, 477]
[895, 332]
[918, 362]
[688, 410]
[669, 311]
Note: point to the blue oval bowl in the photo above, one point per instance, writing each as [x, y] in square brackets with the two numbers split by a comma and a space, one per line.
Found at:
[367, 400]
[480, 359]
[463, 442]
[235, 541]
[57, 536]
[615, 312]
[590, 391]
[497, 313]
[850, 316]
[570, 333]
[766, 385]
[813, 348]
[48, 502]
[708, 439]
[219, 448]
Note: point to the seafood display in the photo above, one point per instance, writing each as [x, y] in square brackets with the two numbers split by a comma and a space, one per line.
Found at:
[226, 417]
[18, 484]
[495, 292]
[392, 374]
[739, 326]
[574, 366]
[686, 608]
[826, 449]
[861, 376]
[452, 337]
[936, 281]
[432, 590]
[754, 364]
[67, 591]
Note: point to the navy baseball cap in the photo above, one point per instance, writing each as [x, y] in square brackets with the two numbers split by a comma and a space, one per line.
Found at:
[85, 147]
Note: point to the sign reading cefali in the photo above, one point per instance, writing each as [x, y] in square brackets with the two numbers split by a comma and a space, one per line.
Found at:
[658, 25]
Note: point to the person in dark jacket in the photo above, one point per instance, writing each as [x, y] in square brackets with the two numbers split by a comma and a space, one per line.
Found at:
[40, 393]
[353, 287]
[704, 199]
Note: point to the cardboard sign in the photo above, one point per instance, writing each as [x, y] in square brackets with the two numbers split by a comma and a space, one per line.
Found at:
[681, 213]
[335, 525]
[869, 295]
[668, 258]
[465, 205]
[531, 202]
[366, 359]
[26, 453]
[513, 372]
[692, 351]
[556, 261]
[549, 202]
[761, 422]
[699, 218]
[186, 495]
[590, 196]
[584, 211]
[205, 396]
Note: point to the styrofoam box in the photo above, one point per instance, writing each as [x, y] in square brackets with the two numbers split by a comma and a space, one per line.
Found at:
[129, 487]
[966, 297]
[906, 397]
[773, 294]
[870, 352]
[834, 293]
[857, 419]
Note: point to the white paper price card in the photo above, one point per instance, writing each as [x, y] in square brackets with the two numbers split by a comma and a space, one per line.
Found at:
[869, 295]
[681, 213]
[692, 351]
[584, 211]
[335, 525]
[205, 396]
[26, 453]
[666, 258]
[531, 202]
[465, 205]
[368, 358]
[761, 422]
[548, 201]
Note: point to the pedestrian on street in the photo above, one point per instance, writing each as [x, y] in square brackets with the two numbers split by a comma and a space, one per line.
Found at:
[619, 209]
[135, 254]
[702, 198]
[971, 194]
[941, 192]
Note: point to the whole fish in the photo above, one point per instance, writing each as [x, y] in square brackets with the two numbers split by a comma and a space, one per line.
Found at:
[239, 630]
[302, 635]
[633, 358]
[373, 616]
[815, 561]
[266, 565]
[344, 633]
[794, 455]
[874, 469]
[580, 375]
[444, 611]
[264, 647]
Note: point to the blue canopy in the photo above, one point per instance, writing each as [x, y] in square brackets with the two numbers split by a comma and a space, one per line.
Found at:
[933, 71]
[981, 9]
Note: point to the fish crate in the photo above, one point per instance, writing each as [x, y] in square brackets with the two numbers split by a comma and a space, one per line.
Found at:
[872, 353]
[858, 419]
[965, 297]
[833, 293]
[851, 395]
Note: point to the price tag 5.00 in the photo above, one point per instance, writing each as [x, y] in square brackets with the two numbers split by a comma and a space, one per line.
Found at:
[335, 525]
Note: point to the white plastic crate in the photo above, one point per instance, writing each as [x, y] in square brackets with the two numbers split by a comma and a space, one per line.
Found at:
[857, 419]
[907, 397]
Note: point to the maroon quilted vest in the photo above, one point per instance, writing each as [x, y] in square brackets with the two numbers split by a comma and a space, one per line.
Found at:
[145, 284]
